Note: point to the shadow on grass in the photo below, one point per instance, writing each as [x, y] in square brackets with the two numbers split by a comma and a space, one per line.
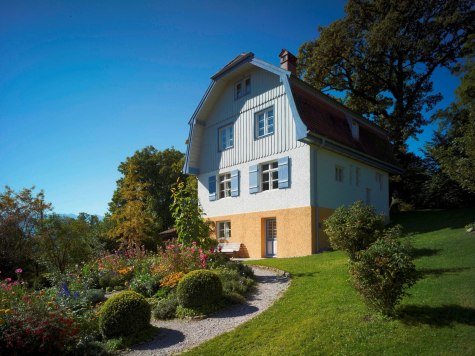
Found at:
[445, 315]
[424, 272]
[433, 220]
[424, 252]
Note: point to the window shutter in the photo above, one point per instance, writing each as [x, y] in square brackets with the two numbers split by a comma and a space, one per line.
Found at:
[212, 188]
[253, 179]
[284, 176]
[235, 183]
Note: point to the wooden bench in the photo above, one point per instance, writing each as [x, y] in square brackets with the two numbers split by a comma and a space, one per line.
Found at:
[231, 248]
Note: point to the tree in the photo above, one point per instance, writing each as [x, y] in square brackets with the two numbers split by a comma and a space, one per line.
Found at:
[21, 214]
[381, 55]
[140, 206]
[188, 214]
[63, 241]
[453, 144]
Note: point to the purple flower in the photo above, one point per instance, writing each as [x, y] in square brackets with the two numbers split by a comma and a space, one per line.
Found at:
[18, 270]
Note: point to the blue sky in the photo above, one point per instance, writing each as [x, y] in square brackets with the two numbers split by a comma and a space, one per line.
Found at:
[83, 84]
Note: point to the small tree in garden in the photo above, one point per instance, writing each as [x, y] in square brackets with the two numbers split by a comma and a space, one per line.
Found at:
[382, 273]
[353, 228]
[188, 214]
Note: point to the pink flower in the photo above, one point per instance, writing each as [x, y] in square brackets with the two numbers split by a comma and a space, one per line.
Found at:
[18, 270]
[8, 280]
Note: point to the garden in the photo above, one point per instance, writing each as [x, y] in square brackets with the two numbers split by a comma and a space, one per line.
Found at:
[107, 303]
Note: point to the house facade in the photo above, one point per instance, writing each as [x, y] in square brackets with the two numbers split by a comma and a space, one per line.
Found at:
[274, 157]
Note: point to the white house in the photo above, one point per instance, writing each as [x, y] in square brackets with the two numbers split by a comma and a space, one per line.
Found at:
[274, 157]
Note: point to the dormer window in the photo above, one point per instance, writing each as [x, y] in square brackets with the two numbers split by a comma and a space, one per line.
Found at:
[242, 88]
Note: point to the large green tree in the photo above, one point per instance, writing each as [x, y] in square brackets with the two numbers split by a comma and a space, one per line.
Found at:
[381, 55]
[453, 145]
[139, 209]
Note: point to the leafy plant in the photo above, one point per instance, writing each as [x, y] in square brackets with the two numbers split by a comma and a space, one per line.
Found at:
[166, 308]
[199, 288]
[123, 314]
[382, 274]
[353, 228]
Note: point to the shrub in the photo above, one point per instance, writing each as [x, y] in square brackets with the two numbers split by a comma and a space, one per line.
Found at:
[233, 282]
[199, 288]
[353, 228]
[166, 308]
[123, 314]
[382, 274]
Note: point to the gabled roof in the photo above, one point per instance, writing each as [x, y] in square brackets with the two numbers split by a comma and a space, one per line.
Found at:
[319, 119]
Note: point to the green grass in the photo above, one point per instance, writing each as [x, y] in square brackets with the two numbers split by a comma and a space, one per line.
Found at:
[321, 313]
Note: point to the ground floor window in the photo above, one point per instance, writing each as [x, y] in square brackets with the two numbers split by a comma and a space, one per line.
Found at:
[224, 230]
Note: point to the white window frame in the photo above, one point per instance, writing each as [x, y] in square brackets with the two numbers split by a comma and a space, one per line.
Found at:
[245, 85]
[224, 230]
[269, 129]
[339, 173]
[224, 185]
[273, 167]
[228, 130]
[379, 180]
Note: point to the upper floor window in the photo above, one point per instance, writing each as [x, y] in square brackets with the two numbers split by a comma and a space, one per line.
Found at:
[265, 122]
[379, 180]
[242, 88]
[225, 185]
[224, 230]
[339, 174]
[270, 176]
[226, 137]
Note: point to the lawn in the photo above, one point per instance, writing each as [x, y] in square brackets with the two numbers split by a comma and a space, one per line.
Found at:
[321, 313]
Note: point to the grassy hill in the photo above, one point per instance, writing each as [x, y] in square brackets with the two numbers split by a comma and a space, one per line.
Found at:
[322, 314]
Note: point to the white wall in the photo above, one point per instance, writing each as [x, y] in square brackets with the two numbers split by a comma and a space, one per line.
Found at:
[328, 193]
[266, 91]
[298, 195]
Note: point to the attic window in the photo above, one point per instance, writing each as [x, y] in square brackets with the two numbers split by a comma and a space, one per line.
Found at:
[242, 88]
[355, 130]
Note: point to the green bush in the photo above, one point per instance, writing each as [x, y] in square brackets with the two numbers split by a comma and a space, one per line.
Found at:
[382, 273]
[234, 282]
[199, 288]
[166, 308]
[123, 314]
[353, 228]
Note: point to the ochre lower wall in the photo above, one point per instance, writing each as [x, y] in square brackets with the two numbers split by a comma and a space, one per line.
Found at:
[296, 231]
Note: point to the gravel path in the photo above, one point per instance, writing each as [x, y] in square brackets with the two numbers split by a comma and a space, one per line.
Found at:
[179, 335]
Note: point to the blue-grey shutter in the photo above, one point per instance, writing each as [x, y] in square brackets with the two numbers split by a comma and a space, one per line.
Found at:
[235, 183]
[212, 188]
[284, 177]
[253, 179]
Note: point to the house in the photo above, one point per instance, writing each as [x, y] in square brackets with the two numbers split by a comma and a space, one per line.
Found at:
[274, 157]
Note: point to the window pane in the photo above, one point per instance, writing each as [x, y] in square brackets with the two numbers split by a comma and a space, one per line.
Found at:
[265, 186]
[265, 167]
[275, 175]
[275, 184]
[275, 164]
[265, 177]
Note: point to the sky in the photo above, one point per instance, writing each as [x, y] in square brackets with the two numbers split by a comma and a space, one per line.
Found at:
[84, 84]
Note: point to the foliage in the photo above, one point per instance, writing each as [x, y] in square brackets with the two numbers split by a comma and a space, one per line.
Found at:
[352, 228]
[199, 288]
[177, 257]
[145, 281]
[34, 322]
[382, 273]
[171, 280]
[188, 214]
[139, 209]
[123, 314]
[62, 241]
[166, 308]
[453, 144]
[382, 54]
[20, 216]
[233, 282]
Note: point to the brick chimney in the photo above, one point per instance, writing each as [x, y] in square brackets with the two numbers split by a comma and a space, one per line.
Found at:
[288, 61]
